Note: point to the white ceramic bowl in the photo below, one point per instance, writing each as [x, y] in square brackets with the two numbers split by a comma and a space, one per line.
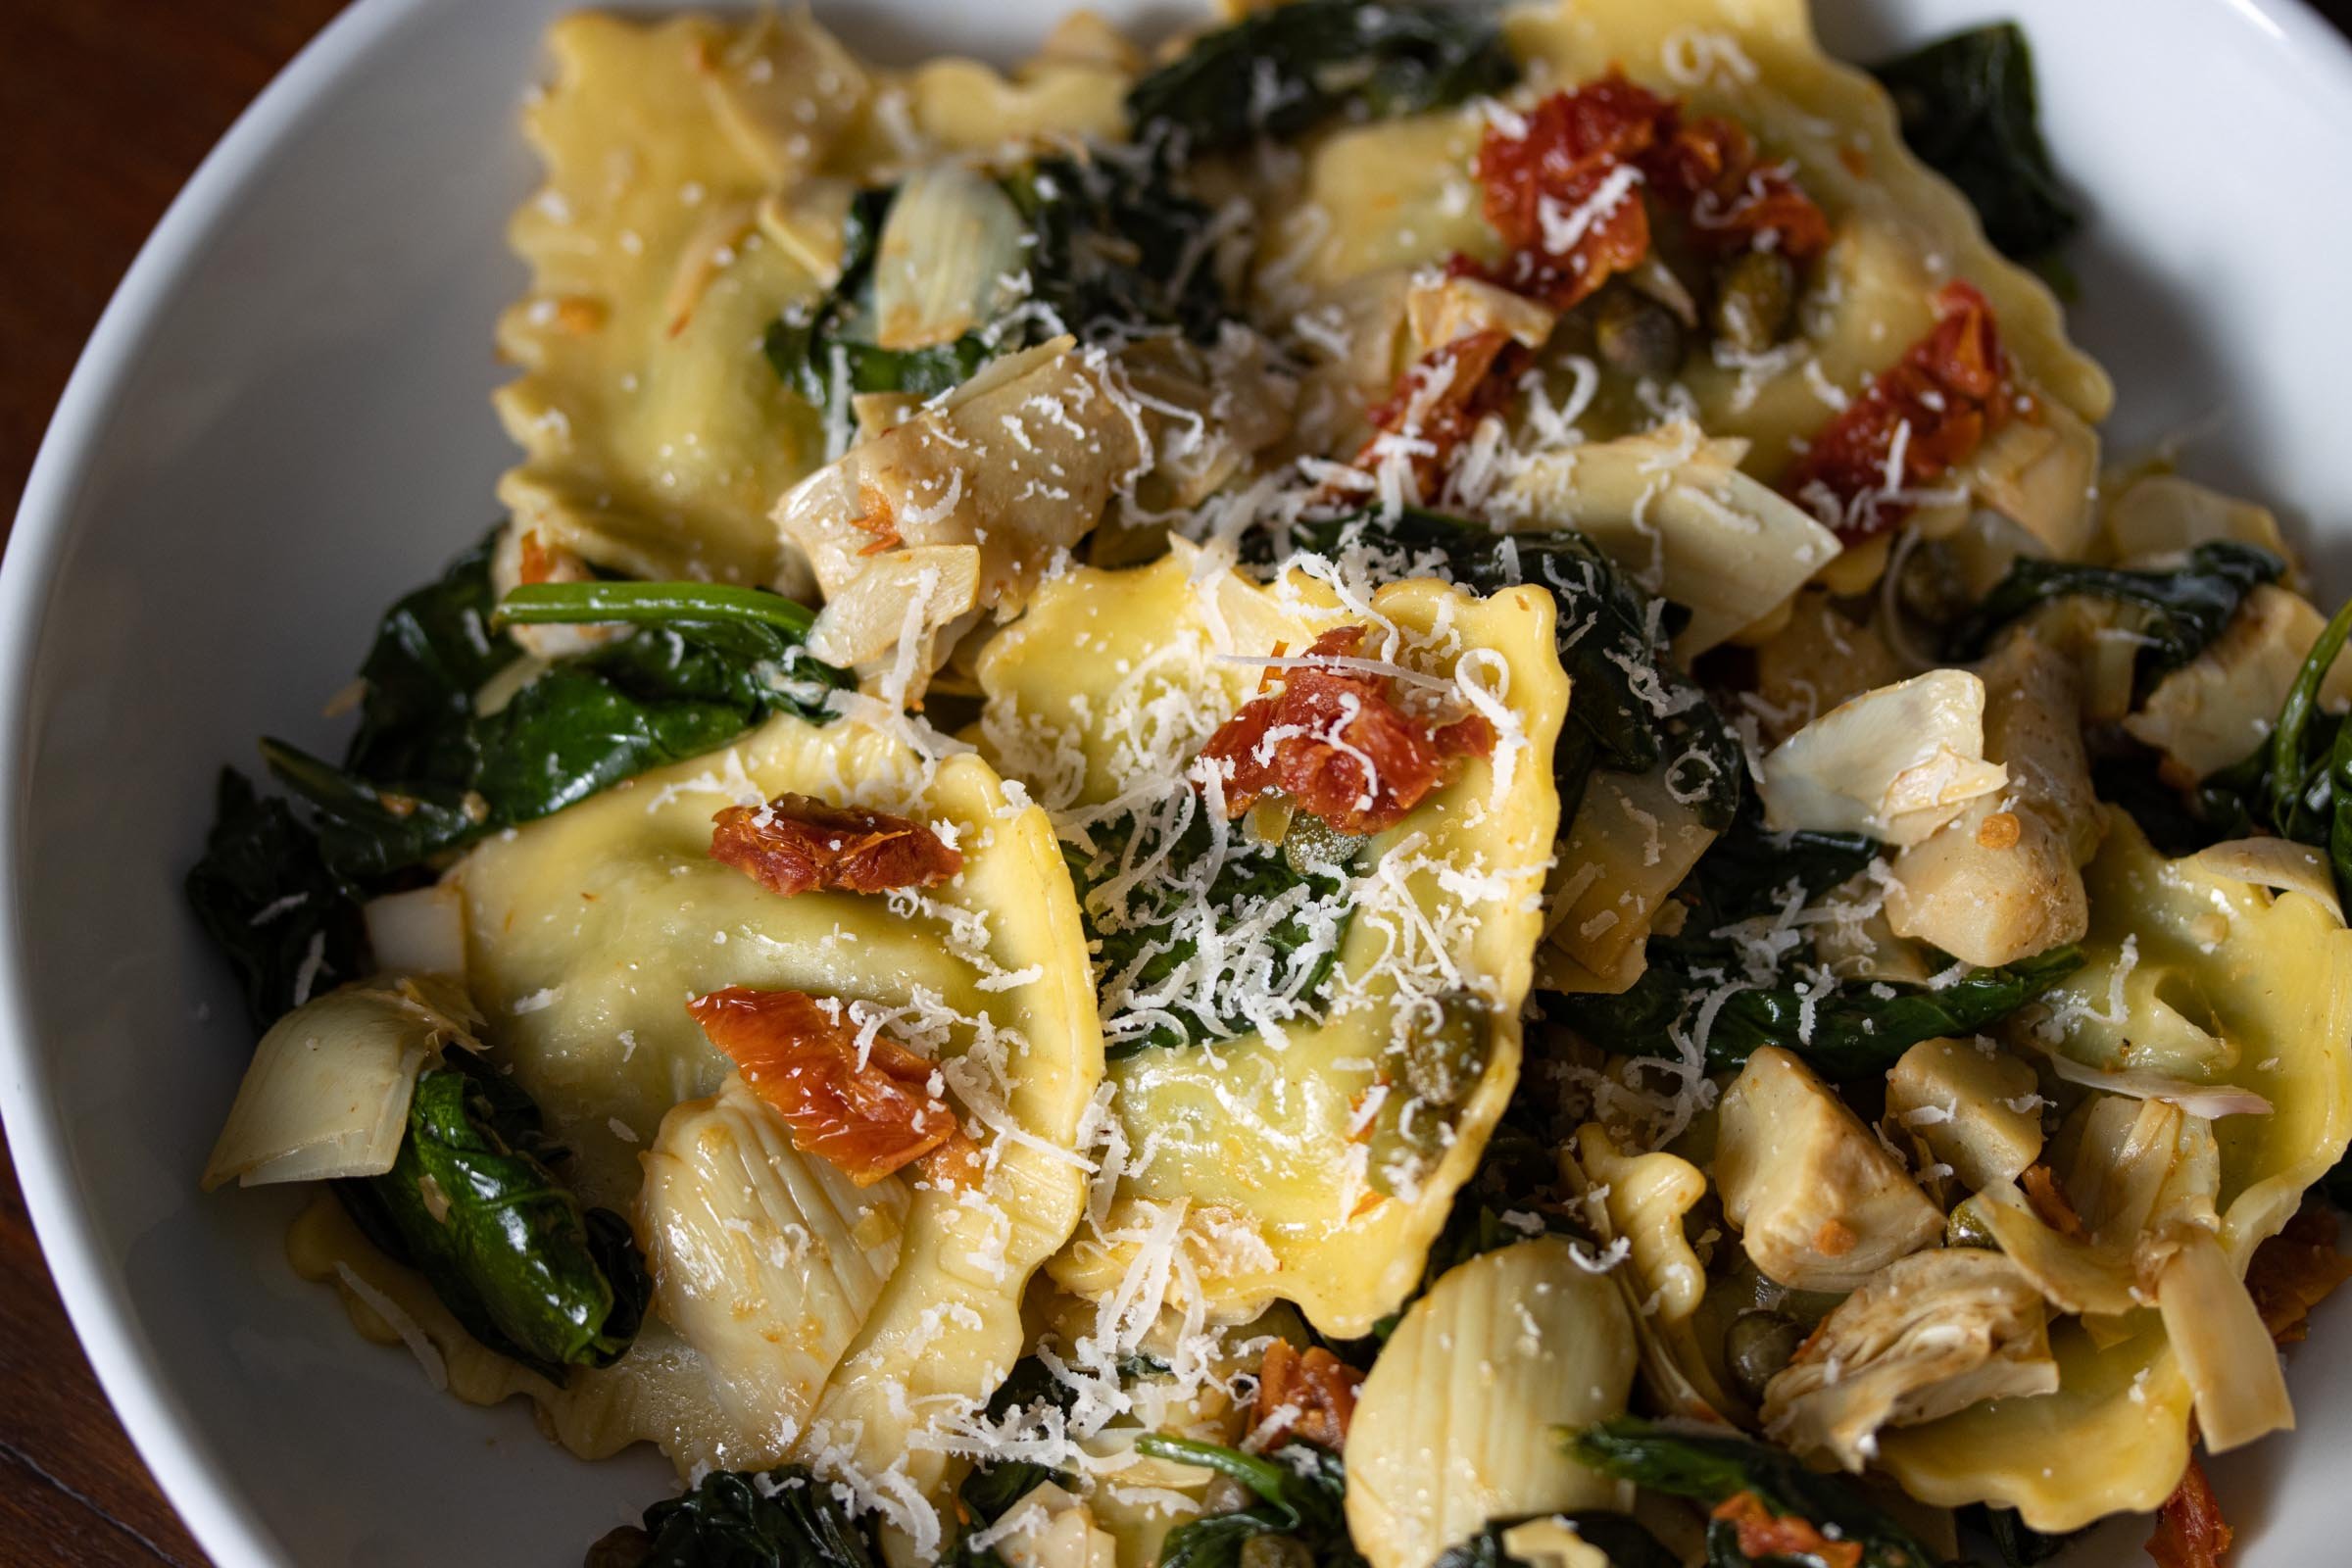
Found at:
[281, 421]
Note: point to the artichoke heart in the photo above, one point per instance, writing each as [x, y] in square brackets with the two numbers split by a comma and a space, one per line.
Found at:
[768, 1263]
[949, 255]
[1933, 1332]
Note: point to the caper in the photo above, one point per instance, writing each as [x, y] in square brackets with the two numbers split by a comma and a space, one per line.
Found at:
[1312, 847]
[1443, 1063]
[1757, 1345]
[1635, 336]
[1407, 1133]
[1755, 295]
[1967, 1227]
[1431, 1074]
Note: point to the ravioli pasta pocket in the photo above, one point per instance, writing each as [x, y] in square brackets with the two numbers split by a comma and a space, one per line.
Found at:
[1393, 785]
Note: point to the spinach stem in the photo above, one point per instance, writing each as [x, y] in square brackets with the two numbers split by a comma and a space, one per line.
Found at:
[650, 604]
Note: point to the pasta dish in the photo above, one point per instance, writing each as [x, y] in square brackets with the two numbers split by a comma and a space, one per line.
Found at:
[1398, 785]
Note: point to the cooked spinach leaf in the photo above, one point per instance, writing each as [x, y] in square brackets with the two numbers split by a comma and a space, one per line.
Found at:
[995, 1485]
[1285, 70]
[1634, 711]
[780, 1518]
[2298, 783]
[1845, 1031]
[471, 1205]
[1848, 1029]
[263, 895]
[1970, 111]
[1139, 949]
[817, 348]
[1619, 1539]
[1708, 1469]
[1301, 1492]
[1112, 244]
[2182, 611]
[433, 650]
[706, 663]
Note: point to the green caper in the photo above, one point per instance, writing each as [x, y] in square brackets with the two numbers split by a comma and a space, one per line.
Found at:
[1757, 1345]
[1967, 1227]
[1755, 295]
[1406, 1135]
[1635, 336]
[1443, 1063]
[1312, 847]
[1429, 1076]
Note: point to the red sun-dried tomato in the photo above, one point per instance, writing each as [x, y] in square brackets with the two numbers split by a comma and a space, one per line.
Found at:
[1310, 1397]
[1916, 422]
[1707, 170]
[1764, 1534]
[1335, 742]
[869, 1117]
[797, 843]
[2295, 1271]
[2191, 1532]
[1438, 402]
[1564, 189]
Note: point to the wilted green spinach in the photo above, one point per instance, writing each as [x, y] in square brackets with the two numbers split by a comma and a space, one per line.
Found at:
[1110, 240]
[1708, 1469]
[1301, 1490]
[2182, 611]
[429, 772]
[1634, 711]
[1285, 70]
[1969, 111]
[471, 1204]
[1845, 1030]
[263, 895]
[780, 1518]
[1137, 952]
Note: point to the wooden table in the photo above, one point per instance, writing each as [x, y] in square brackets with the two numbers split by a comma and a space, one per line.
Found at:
[106, 105]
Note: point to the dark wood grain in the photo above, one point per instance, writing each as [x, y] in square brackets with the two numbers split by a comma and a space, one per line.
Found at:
[106, 107]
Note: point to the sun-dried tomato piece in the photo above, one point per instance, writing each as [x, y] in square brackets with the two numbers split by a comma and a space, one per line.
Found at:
[538, 562]
[1335, 741]
[1438, 402]
[1564, 190]
[876, 516]
[1310, 1397]
[1920, 418]
[2050, 1205]
[2191, 1532]
[2295, 1271]
[867, 1114]
[1707, 168]
[796, 843]
[1764, 1534]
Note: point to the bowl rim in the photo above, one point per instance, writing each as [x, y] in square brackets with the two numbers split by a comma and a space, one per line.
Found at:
[172, 1443]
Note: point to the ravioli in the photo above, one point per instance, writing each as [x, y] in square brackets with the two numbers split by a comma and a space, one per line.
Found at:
[589, 933]
[2225, 983]
[656, 435]
[1400, 194]
[1242, 1165]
